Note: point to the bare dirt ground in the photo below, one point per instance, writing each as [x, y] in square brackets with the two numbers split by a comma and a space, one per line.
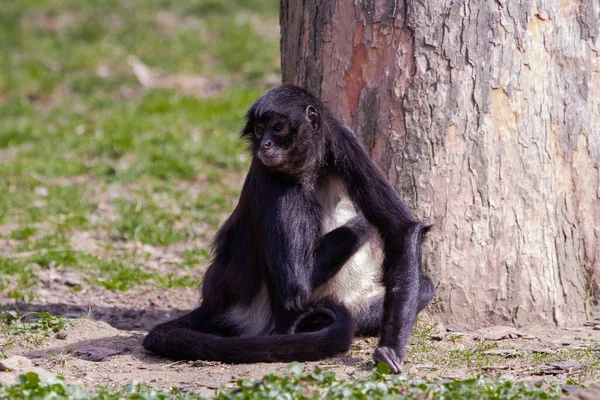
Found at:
[103, 346]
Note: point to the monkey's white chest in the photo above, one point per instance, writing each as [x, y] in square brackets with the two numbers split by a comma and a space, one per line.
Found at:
[358, 279]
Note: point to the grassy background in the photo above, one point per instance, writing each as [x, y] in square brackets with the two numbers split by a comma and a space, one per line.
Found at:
[85, 147]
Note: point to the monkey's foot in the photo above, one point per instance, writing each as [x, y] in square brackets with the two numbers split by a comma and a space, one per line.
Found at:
[389, 356]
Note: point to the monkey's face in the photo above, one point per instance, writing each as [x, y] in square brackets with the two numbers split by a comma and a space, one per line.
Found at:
[273, 138]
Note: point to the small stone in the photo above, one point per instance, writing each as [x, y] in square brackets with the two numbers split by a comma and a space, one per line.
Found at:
[94, 353]
[502, 352]
[41, 191]
[569, 389]
[186, 387]
[454, 328]
[18, 363]
[549, 371]
[589, 393]
[439, 332]
[210, 384]
[80, 130]
[565, 365]
[72, 281]
[103, 71]
[39, 204]
[61, 335]
[508, 377]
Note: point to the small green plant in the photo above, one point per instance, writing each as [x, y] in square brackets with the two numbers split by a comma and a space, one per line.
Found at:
[29, 386]
[31, 327]
[317, 384]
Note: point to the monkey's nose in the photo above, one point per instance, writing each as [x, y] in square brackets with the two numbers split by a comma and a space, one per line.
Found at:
[267, 144]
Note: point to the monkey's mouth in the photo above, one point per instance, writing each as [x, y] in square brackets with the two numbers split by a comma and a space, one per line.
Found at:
[270, 158]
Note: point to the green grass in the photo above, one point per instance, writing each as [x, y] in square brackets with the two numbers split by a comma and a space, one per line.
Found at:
[298, 385]
[17, 278]
[462, 353]
[116, 273]
[31, 327]
[85, 147]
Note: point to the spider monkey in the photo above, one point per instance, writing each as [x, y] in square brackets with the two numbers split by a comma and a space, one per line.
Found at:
[319, 248]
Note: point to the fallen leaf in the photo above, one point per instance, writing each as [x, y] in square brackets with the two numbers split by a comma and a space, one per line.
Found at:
[94, 353]
[566, 365]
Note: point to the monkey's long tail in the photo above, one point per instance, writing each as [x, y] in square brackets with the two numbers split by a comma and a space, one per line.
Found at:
[180, 343]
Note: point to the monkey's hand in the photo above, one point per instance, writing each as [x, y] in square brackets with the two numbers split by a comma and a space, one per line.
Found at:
[337, 246]
[361, 228]
[284, 320]
[293, 296]
[389, 356]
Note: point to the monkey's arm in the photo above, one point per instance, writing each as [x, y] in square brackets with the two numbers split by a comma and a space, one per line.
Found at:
[292, 227]
[401, 234]
[336, 248]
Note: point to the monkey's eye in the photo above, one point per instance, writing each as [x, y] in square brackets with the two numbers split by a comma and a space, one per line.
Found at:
[258, 130]
[279, 129]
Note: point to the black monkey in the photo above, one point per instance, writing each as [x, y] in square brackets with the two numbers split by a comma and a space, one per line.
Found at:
[298, 269]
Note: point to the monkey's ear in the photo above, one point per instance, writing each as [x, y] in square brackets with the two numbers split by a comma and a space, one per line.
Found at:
[312, 116]
[248, 129]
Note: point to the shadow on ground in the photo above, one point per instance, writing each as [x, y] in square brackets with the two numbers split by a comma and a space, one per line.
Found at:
[120, 318]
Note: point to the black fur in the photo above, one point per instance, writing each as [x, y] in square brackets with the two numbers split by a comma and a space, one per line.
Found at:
[185, 339]
[273, 239]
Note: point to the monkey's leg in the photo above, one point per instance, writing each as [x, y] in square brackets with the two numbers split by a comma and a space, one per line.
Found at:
[426, 293]
[402, 278]
[336, 248]
[369, 319]
[290, 250]
[401, 233]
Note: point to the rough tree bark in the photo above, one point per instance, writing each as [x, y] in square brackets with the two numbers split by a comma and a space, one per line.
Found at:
[485, 115]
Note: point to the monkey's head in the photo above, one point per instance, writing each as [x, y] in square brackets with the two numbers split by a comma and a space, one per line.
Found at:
[284, 129]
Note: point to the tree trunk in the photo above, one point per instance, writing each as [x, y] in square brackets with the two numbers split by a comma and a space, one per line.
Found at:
[485, 115]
